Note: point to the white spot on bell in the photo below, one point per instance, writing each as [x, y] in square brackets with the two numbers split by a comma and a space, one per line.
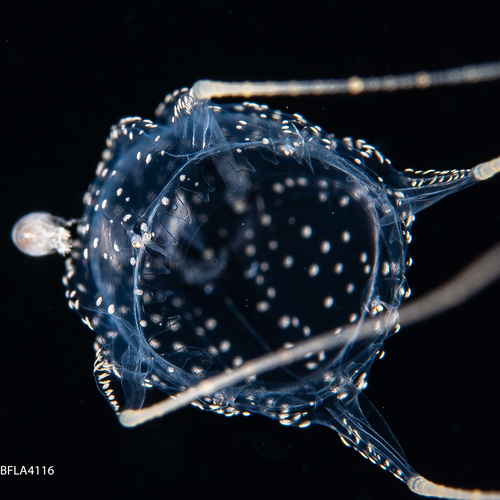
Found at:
[306, 232]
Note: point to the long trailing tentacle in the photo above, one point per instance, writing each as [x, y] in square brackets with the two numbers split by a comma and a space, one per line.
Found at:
[469, 282]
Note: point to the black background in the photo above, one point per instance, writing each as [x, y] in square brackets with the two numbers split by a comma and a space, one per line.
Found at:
[73, 69]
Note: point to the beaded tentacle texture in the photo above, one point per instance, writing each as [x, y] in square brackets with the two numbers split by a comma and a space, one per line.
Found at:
[247, 262]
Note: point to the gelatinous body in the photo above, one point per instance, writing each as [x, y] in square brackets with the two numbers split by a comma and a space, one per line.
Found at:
[219, 233]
